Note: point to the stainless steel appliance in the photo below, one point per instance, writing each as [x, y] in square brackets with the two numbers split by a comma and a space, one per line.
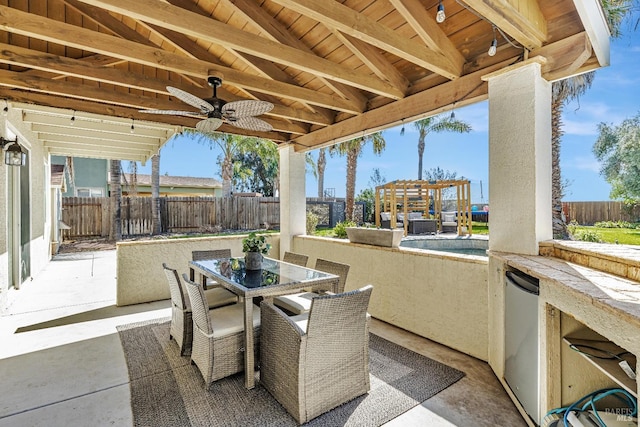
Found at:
[522, 358]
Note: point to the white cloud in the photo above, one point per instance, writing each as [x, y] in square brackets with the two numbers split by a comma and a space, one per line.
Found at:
[584, 163]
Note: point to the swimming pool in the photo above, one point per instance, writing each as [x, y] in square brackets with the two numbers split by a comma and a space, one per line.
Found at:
[465, 246]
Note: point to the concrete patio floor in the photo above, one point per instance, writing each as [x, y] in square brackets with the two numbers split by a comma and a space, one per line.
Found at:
[61, 362]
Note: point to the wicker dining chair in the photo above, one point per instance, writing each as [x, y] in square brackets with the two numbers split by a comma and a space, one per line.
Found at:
[218, 336]
[209, 254]
[294, 258]
[181, 312]
[316, 361]
[301, 302]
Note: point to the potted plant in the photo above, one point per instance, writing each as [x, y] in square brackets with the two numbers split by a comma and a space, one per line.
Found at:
[254, 247]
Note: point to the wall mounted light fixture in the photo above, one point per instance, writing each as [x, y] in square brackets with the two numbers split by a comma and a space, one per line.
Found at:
[13, 154]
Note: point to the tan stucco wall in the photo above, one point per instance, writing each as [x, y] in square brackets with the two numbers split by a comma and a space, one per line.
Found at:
[436, 295]
[139, 264]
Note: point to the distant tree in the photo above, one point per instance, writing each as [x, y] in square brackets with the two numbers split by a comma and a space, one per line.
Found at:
[229, 145]
[436, 124]
[256, 167]
[115, 233]
[376, 179]
[352, 149]
[439, 174]
[618, 150]
[368, 195]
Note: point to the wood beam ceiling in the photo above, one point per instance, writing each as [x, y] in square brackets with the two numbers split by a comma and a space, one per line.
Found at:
[521, 19]
[30, 25]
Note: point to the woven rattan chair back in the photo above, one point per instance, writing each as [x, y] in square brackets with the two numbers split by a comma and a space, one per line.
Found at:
[294, 258]
[341, 314]
[178, 296]
[339, 269]
[181, 328]
[199, 306]
[210, 254]
[311, 372]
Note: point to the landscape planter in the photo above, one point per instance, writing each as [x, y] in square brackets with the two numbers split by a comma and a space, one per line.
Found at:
[375, 236]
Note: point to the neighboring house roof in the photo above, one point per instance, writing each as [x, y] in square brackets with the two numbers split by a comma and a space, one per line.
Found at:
[175, 181]
[57, 176]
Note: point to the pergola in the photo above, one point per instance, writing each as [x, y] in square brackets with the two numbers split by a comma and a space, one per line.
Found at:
[416, 196]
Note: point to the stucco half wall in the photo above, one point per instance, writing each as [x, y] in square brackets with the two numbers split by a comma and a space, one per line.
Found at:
[139, 264]
[439, 296]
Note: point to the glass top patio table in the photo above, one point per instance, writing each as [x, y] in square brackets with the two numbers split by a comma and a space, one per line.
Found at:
[275, 278]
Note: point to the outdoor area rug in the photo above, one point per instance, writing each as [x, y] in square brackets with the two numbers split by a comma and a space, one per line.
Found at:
[166, 390]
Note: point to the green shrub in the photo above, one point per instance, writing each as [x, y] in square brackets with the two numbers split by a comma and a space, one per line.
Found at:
[587, 236]
[614, 224]
[312, 223]
[340, 230]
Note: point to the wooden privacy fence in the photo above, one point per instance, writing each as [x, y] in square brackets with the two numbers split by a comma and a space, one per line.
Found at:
[588, 213]
[91, 216]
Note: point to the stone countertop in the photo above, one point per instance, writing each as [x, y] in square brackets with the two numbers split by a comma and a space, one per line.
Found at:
[604, 301]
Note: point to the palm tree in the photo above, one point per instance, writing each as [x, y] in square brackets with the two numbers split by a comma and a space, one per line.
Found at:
[436, 124]
[155, 194]
[230, 146]
[321, 165]
[564, 91]
[352, 149]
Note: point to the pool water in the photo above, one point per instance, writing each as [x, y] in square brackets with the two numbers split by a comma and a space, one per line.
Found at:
[476, 247]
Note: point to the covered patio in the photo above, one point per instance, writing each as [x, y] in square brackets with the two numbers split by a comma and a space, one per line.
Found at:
[77, 74]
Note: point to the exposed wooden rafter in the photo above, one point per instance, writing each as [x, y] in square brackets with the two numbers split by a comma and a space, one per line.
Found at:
[521, 19]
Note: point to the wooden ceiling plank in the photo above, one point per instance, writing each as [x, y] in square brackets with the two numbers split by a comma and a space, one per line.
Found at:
[254, 14]
[174, 18]
[107, 21]
[13, 79]
[81, 69]
[123, 141]
[521, 19]
[374, 60]
[425, 25]
[97, 153]
[46, 29]
[63, 123]
[347, 20]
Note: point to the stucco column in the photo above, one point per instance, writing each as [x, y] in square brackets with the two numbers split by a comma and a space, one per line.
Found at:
[519, 158]
[293, 202]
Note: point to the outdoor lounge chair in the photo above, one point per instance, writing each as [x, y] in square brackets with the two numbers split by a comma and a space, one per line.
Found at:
[294, 258]
[301, 302]
[181, 312]
[316, 361]
[218, 336]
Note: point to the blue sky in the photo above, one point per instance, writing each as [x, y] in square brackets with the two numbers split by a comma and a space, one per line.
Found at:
[614, 96]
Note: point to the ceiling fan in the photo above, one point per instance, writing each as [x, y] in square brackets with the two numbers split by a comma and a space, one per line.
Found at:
[217, 111]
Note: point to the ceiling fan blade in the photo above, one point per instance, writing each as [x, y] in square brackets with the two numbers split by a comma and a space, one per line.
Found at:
[246, 108]
[251, 123]
[192, 100]
[173, 112]
[208, 125]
